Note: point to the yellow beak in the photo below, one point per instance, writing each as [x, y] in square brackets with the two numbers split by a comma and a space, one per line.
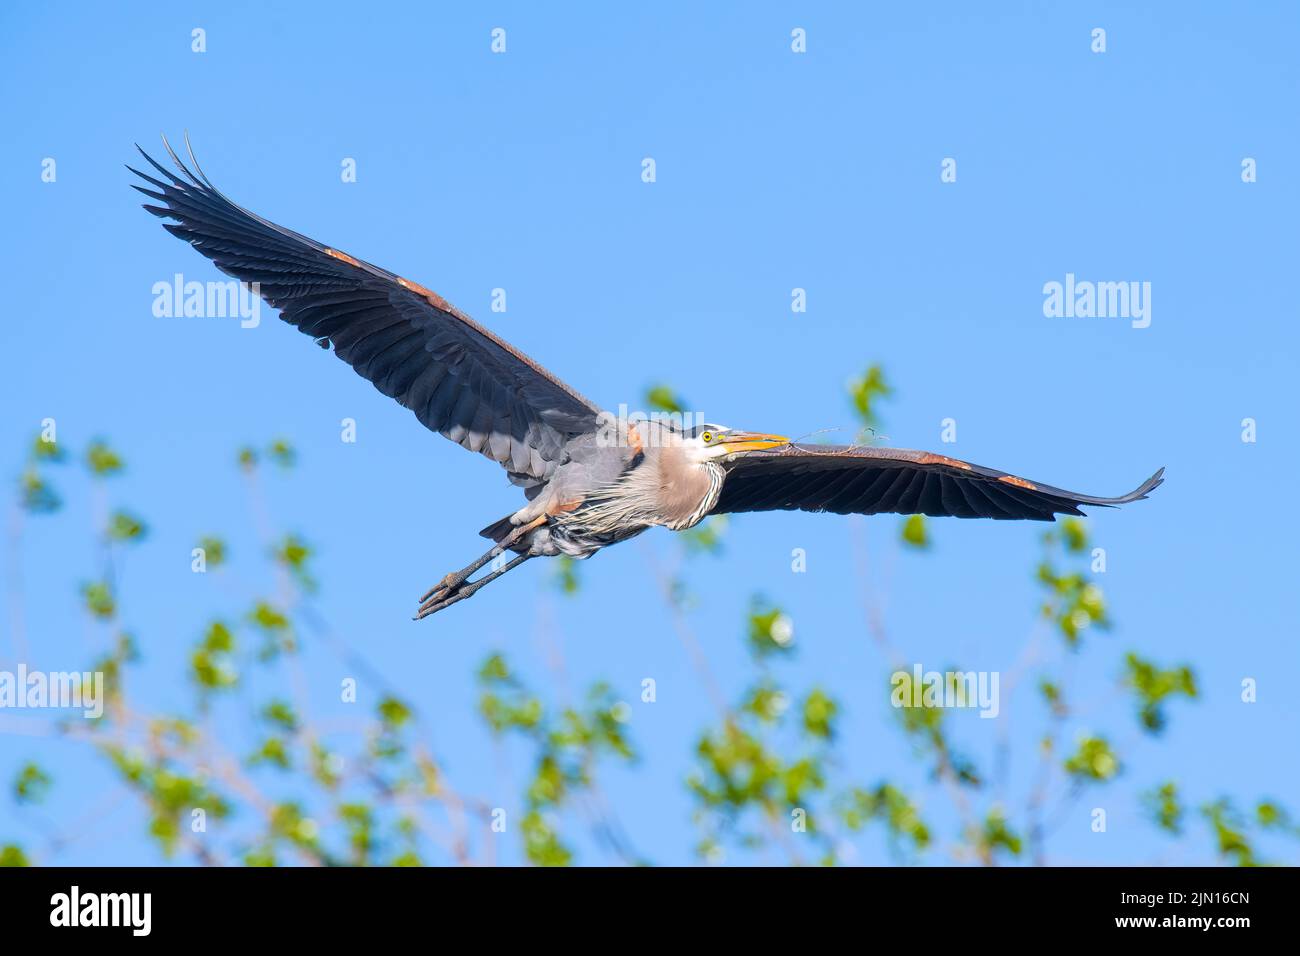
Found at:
[752, 441]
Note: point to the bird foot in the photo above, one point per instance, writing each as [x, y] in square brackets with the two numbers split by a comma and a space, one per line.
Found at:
[444, 589]
[444, 596]
[456, 587]
[432, 607]
[449, 582]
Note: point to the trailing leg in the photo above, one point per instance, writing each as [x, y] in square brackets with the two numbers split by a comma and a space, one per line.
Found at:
[467, 590]
[451, 582]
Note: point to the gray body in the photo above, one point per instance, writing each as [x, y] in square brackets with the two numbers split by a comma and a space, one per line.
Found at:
[623, 489]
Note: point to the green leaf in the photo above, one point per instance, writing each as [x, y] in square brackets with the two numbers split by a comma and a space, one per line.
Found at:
[662, 398]
[770, 630]
[393, 712]
[38, 496]
[31, 785]
[705, 537]
[1229, 833]
[1164, 807]
[13, 855]
[1154, 686]
[214, 551]
[47, 451]
[1093, 760]
[99, 600]
[997, 835]
[282, 453]
[1074, 534]
[103, 460]
[866, 391]
[123, 526]
[294, 553]
[281, 714]
[915, 532]
[819, 712]
[566, 574]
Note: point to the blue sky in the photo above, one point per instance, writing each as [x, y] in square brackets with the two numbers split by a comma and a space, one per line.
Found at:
[775, 170]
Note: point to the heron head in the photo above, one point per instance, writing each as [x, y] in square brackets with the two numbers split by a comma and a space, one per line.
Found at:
[718, 441]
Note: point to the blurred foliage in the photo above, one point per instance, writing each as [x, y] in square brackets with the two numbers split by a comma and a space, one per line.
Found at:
[1164, 807]
[566, 575]
[37, 495]
[866, 392]
[1230, 833]
[661, 398]
[275, 628]
[768, 779]
[123, 526]
[47, 451]
[1153, 686]
[894, 808]
[1051, 692]
[770, 630]
[706, 537]
[170, 792]
[212, 665]
[31, 784]
[745, 787]
[294, 554]
[928, 730]
[915, 533]
[98, 599]
[12, 855]
[1093, 760]
[567, 748]
[214, 551]
[1074, 601]
[103, 460]
[282, 453]
[996, 836]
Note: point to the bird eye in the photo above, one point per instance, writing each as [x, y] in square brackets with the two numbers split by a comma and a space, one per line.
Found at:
[707, 437]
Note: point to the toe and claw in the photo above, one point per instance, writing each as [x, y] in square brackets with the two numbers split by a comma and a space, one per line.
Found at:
[439, 596]
[456, 586]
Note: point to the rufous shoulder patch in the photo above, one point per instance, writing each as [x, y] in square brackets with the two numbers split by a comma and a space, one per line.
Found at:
[342, 257]
[1018, 482]
[930, 459]
[437, 301]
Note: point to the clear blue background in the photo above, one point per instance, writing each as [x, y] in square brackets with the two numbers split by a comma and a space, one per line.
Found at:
[775, 170]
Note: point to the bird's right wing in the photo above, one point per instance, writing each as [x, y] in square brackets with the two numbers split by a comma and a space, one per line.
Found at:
[871, 480]
[460, 380]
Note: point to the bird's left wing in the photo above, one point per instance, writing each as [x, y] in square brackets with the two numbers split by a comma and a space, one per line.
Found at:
[460, 380]
[867, 480]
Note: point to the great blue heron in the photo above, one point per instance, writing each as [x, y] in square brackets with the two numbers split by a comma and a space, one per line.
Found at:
[589, 479]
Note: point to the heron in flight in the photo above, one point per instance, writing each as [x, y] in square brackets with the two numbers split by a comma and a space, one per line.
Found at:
[589, 480]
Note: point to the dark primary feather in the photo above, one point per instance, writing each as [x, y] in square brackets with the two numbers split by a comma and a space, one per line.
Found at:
[460, 380]
[862, 480]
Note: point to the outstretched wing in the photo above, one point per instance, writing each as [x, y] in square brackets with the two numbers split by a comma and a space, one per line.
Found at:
[860, 480]
[460, 380]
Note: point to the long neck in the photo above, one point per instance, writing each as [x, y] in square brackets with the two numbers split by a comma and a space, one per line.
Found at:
[685, 490]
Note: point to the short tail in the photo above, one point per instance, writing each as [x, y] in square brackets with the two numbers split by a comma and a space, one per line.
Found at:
[497, 531]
